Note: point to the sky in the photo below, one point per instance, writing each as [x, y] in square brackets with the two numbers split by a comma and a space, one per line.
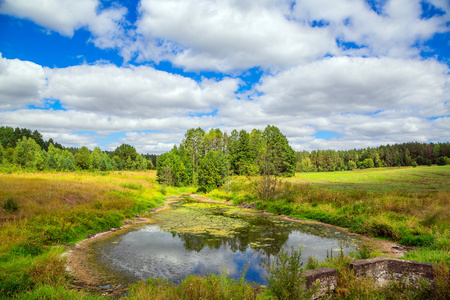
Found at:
[339, 74]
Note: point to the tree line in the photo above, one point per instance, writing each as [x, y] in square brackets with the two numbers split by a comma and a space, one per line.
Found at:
[207, 158]
[21, 148]
[406, 154]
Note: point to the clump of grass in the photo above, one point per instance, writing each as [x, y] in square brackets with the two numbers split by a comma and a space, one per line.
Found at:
[212, 286]
[11, 205]
[132, 186]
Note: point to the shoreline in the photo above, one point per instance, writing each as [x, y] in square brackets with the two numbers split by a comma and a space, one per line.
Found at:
[84, 277]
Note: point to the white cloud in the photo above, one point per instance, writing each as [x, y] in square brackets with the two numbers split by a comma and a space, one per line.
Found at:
[232, 36]
[63, 16]
[228, 35]
[151, 142]
[361, 85]
[21, 83]
[139, 92]
[72, 120]
[70, 139]
[391, 33]
[107, 26]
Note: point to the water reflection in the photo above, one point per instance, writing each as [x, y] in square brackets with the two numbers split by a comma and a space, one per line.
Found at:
[202, 238]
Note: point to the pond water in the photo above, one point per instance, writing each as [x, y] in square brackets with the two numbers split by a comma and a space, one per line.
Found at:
[202, 238]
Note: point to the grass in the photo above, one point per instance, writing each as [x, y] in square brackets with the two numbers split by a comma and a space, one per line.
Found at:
[42, 213]
[405, 179]
[53, 210]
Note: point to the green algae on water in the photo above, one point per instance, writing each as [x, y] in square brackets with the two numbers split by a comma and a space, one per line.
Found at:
[202, 218]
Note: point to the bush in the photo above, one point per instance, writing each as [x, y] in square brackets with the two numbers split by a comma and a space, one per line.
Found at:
[287, 279]
[11, 205]
[441, 161]
[368, 163]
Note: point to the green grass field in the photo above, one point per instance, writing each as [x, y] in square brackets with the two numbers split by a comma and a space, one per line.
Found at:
[42, 213]
[405, 179]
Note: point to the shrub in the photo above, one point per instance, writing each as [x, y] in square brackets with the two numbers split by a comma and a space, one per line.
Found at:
[11, 205]
[441, 161]
[287, 279]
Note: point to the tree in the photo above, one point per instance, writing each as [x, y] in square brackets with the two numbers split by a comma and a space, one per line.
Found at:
[141, 163]
[212, 171]
[51, 162]
[126, 151]
[102, 164]
[28, 154]
[408, 159]
[174, 168]
[436, 152]
[94, 160]
[265, 185]
[241, 155]
[305, 165]
[68, 164]
[282, 155]
[193, 143]
[82, 158]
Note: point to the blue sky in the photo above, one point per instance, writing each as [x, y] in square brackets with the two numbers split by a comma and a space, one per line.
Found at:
[331, 75]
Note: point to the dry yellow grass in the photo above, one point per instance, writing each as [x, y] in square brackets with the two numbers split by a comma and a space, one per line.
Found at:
[40, 193]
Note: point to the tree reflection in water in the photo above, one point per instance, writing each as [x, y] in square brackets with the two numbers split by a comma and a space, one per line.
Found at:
[201, 238]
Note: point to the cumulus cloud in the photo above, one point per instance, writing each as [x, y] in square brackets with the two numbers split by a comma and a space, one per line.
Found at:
[63, 16]
[139, 92]
[151, 142]
[228, 35]
[21, 83]
[108, 26]
[354, 84]
[391, 30]
[233, 35]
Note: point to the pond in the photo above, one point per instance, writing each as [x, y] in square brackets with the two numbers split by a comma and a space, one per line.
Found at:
[201, 238]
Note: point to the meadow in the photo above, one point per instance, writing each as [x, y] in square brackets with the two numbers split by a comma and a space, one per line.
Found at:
[407, 205]
[43, 214]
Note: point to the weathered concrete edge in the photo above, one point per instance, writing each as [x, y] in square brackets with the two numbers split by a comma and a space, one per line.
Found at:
[381, 269]
[324, 279]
